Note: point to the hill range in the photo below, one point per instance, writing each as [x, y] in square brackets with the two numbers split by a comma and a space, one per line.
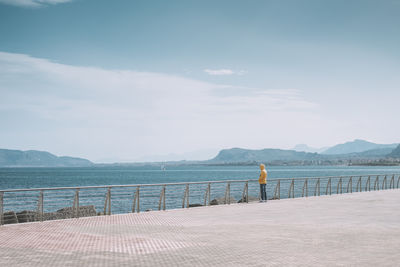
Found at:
[354, 152]
[33, 158]
[357, 151]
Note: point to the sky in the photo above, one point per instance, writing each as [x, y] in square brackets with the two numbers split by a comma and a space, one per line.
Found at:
[152, 80]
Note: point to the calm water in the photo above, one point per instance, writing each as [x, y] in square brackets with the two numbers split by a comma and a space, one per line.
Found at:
[122, 198]
[60, 177]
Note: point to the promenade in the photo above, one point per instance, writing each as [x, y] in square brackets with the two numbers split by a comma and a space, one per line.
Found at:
[359, 229]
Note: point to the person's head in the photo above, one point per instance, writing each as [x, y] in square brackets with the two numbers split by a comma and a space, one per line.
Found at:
[262, 166]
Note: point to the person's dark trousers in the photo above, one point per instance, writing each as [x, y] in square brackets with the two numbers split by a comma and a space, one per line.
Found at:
[263, 192]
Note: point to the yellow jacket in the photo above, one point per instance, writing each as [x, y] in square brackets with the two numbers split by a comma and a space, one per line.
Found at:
[263, 175]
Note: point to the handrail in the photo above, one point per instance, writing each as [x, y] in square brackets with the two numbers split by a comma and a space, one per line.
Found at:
[184, 183]
[42, 206]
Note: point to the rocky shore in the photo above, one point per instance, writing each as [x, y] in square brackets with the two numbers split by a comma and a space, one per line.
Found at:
[33, 216]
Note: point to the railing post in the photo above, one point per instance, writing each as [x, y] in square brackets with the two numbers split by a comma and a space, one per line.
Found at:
[376, 184]
[162, 198]
[341, 185]
[368, 183]
[339, 189]
[40, 205]
[186, 197]
[76, 203]
[206, 194]
[277, 190]
[165, 196]
[328, 185]
[398, 180]
[317, 188]
[391, 185]
[134, 201]
[1, 207]
[244, 193]
[138, 199]
[384, 182]
[305, 187]
[209, 193]
[228, 193]
[107, 202]
[291, 189]
[359, 184]
[247, 191]
[350, 185]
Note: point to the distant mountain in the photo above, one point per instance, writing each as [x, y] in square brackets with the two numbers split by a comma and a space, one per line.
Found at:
[280, 156]
[306, 148]
[264, 155]
[395, 153]
[356, 146]
[369, 154]
[33, 158]
[378, 152]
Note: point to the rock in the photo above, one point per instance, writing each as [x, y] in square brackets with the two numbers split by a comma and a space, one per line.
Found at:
[195, 205]
[149, 210]
[51, 216]
[10, 217]
[27, 216]
[251, 199]
[32, 216]
[69, 212]
[220, 201]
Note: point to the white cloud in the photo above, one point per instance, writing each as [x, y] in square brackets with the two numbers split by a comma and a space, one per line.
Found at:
[33, 3]
[224, 72]
[100, 113]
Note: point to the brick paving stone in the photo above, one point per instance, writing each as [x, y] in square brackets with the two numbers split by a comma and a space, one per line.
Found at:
[359, 229]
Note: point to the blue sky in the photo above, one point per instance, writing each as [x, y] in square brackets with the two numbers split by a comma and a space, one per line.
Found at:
[130, 80]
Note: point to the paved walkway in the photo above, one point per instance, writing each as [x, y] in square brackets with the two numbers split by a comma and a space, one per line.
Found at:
[359, 229]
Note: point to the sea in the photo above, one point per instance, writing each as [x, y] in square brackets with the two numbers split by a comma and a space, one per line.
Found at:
[123, 198]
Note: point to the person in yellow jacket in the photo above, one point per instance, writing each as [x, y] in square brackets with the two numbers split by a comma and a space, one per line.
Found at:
[263, 183]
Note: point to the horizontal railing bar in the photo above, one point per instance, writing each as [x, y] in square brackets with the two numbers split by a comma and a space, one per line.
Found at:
[184, 183]
[119, 186]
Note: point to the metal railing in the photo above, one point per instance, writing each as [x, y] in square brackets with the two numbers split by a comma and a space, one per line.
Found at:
[39, 204]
